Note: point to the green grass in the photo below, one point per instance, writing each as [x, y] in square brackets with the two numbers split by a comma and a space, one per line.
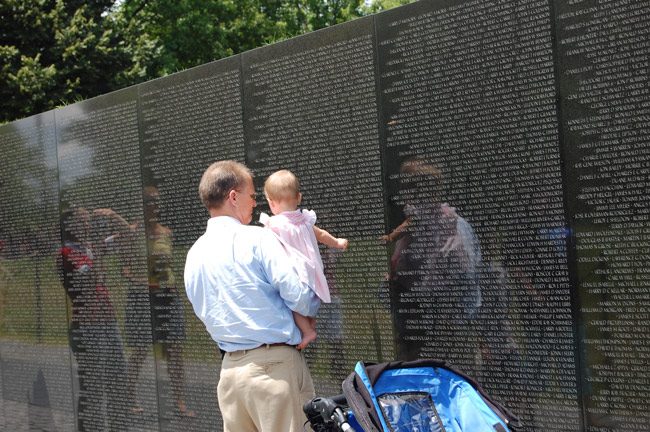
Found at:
[22, 283]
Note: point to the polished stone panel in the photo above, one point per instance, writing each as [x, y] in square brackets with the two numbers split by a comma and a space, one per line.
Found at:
[487, 160]
[310, 107]
[603, 61]
[187, 121]
[34, 362]
[480, 274]
[103, 260]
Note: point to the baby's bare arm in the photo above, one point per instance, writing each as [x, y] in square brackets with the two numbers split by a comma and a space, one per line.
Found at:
[328, 239]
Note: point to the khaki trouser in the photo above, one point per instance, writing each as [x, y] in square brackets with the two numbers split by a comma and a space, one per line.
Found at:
[264, 389]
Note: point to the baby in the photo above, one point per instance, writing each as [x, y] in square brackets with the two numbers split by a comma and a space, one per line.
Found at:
[296, 228]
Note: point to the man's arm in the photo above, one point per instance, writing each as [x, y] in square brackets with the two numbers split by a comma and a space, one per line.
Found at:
[282, 275]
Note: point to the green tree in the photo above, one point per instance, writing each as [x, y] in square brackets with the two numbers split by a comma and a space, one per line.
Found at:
[375, 6]
[170, 35]
[54, 52]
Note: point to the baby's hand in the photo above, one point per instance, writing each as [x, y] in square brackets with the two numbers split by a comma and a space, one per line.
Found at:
[342, 243]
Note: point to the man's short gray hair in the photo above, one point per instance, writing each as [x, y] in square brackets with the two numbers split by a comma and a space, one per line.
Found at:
[219, 179]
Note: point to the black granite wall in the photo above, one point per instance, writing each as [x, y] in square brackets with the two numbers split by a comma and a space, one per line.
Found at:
[489, 162]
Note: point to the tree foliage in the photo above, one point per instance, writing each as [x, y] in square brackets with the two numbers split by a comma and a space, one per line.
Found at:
[54, 52]
[383, 5]
[171, 35]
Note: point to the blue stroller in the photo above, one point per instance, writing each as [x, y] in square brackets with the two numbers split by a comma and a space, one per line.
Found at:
[416, 396]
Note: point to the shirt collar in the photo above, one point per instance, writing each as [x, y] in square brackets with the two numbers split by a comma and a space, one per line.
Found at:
[219, 221]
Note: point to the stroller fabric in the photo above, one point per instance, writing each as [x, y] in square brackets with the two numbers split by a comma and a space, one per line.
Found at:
[422, 396]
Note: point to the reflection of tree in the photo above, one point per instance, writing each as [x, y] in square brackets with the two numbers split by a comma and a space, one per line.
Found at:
[28, 224]
[99, 155]
[28, 188]
[84, 189]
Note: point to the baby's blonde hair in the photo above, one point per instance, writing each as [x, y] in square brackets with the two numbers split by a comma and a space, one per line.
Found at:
[281, 184]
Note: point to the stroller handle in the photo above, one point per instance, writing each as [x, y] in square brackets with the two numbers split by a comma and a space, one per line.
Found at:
[328, 410]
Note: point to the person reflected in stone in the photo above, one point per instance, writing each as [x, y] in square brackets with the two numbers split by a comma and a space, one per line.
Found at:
[434, 272]
[94, 335]
[154, 305]
[296, 227]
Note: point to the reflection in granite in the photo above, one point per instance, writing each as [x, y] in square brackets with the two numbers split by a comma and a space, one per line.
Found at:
[488, 161]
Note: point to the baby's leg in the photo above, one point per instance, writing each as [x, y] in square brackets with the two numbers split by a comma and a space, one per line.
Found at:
[307, 327]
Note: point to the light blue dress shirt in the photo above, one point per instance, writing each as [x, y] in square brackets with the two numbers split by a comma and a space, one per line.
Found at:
[242, 285]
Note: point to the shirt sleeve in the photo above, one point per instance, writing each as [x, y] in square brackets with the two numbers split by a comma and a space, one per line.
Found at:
[264, 219]
[310, 217]
[283, 276]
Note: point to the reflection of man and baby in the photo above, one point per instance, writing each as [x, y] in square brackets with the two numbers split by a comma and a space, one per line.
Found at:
[434, 269]
[257, 291]
[448, 299]
[439, 276]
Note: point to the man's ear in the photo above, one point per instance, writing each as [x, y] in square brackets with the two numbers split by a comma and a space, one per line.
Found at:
[232, 195]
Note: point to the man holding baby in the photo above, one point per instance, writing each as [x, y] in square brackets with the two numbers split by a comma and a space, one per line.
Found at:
[244, 288]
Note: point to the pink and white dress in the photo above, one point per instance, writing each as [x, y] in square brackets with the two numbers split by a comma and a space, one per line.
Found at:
[296, 230]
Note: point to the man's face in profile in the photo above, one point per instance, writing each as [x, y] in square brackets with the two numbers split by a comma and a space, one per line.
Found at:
[246, 203]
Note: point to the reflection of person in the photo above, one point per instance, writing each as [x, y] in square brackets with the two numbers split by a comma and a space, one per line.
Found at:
[93, 332]
[296, 228]
[434, 276]
[499, 349]
[166, 319]
[241, 285]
